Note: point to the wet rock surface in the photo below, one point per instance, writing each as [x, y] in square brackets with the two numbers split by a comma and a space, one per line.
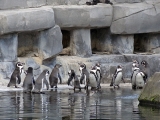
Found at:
[150, 94]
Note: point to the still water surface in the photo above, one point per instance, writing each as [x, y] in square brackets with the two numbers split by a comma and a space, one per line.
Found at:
[110, 104]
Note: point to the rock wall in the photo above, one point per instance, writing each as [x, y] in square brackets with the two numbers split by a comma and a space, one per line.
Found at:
[30, 31]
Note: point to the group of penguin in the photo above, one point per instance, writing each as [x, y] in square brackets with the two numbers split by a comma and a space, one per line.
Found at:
[32, 85]
[90, 78]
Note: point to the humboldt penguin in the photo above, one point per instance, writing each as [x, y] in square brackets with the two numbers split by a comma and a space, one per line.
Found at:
[29, 81]
[84, 75]
[133, 76]
[135, 63]
[99, 74]
[72, 76]
[93, 78]
[40, 81]
[117, 77]
[16, 75]
[145, 70]
[140, 80]
[54, 76]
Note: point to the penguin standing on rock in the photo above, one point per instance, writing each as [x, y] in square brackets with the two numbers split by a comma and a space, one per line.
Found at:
[117, 77]
[16, 75]
[29, 81]
[40, 81]
[72, 76]
[54, 76]
[145, 69]
[93, 78]
[133, 76]
[84, 75]
[140, 80]
[99, 74]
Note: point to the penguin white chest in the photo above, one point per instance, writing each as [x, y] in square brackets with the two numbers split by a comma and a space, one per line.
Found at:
[93, 82]
[118, 78]
[134, 78]
[139, 80]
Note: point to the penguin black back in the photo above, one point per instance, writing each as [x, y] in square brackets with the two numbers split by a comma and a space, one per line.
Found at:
[15, 77]
[54, 76]
[40, 81]
[29, 80]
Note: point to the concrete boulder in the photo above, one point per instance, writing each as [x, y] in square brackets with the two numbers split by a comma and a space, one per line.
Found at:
[14, 4]
[26, 20]
[50, 42]
[135, 18]
[8, 47]
[150, 94]
[81, 43]
[83, 16]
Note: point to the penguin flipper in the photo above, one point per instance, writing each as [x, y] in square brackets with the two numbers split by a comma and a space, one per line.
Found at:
[33, 80]
[19, 79]
[46, 82]
[60, 78]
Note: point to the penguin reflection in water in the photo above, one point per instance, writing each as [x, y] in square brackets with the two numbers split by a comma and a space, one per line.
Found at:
[117, 77]
[16, 75]
[54, 76]
[42, 79]
[76, 82]
[29, 81]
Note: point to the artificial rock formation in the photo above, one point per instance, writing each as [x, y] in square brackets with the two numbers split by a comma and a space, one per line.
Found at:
[32, 29]
[150, 94]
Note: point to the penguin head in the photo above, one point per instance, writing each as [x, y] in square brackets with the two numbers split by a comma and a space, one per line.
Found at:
[58, 66]
[81, 66]
[93, 69]
[144, 63]
[30, 70]
[46, 72]
[98, 66]
[20, 65]
[135, 63]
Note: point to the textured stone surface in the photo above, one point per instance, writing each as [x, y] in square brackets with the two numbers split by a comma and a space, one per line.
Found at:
[26, 19]
[8, 47]
[81, 43]
[127, 1]
[147, 43]
[50, 42]
[67, 2]
[101, 40]
[150, 92]
[83, 16]
[123, 44]
[109, 63]
[14, 4]
[28, 44]
[135, 18]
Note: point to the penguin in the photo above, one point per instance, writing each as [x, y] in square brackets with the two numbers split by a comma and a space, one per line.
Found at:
[16, 75]
[40, 81]
[135, 64]
[99, 74]
[133, 76]
[29, 81]
[117, 77]
[93, 78]
[145, 69]
[95, 2]
[140, 80]
[54, 76]
[84, 75]
[72, 76]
